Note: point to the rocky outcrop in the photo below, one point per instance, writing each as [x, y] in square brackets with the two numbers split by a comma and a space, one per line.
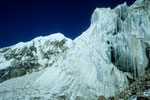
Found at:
[101, 98]
[137, 88]
[143, 98]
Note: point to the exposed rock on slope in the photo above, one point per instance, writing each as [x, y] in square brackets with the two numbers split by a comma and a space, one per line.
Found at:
[137, 89]
[99, 62]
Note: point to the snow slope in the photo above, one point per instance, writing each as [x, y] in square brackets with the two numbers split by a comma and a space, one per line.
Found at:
[99, 61]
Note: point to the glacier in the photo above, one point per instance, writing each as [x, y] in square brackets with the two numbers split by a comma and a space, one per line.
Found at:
[114, 49]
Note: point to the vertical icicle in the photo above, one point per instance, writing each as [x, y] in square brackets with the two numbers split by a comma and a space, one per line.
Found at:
[143, 70]
[148, 26]
[115, 54]
[110, 86]
[104, 88]
[120, 20]
[127, 58]
[116, 25]
[115, 49]
[131, 25]
[134, 67]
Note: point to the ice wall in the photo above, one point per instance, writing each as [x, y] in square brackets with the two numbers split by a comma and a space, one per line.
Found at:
[126, 30]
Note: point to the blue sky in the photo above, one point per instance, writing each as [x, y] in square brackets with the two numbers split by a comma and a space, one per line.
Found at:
[23, 20]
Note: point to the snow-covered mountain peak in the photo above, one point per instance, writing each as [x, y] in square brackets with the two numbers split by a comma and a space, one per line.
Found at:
[27, 57]
[43, 39]
[55, 36]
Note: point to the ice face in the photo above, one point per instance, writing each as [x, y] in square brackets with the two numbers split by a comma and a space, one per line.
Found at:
[114, 44]
[126, 32]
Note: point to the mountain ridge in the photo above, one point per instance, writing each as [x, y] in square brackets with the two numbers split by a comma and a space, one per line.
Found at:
[23, 58]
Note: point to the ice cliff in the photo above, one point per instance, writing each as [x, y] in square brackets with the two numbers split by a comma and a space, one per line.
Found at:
[101, 61]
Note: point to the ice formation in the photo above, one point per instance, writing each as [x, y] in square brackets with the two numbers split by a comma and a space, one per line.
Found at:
[99, 62]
